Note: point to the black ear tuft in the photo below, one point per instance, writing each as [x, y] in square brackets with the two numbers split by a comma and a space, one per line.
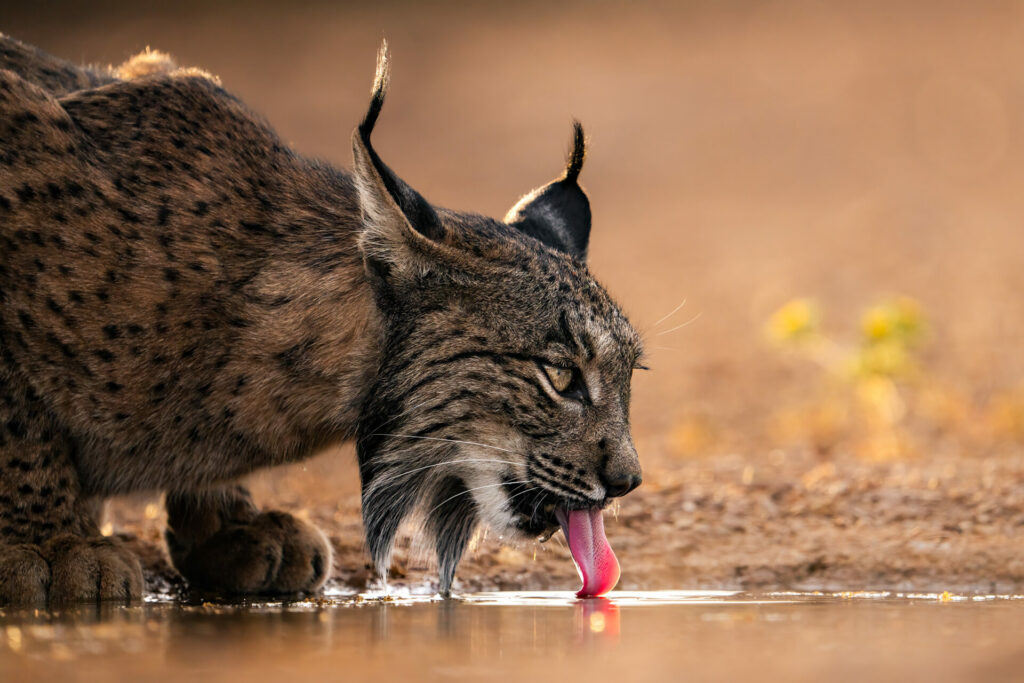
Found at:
[381, 79]
[558, 214]
[577, 154]
[416, 209]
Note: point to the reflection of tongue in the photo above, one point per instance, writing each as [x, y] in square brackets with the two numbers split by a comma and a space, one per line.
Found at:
[595, 561]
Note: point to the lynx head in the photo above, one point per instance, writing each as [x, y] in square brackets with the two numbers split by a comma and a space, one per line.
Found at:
[503, 393]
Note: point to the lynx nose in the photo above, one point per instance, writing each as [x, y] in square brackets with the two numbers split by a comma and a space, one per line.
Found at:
[621, 471]
[619, 483]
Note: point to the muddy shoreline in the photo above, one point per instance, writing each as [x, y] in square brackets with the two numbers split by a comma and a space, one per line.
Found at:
[793, 523]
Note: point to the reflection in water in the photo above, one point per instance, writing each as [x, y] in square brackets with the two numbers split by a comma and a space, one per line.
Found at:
[498, 636]
[593, 618]
[597, 618]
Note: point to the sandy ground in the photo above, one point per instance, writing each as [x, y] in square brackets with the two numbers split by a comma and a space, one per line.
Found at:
[743, 155]
[790, 521]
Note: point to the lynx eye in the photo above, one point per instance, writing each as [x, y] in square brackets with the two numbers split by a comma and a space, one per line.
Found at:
[561, 378]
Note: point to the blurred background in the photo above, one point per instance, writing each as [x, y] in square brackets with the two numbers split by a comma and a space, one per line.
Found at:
[812, 210]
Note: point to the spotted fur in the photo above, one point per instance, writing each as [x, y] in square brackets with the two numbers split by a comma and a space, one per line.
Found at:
[184, 300]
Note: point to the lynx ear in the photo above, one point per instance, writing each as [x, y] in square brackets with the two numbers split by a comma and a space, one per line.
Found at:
[558, 214]
[397, 220]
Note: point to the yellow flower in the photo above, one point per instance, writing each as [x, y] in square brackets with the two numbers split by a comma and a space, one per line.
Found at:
[898, 320]
[877, 323]
[795, 321]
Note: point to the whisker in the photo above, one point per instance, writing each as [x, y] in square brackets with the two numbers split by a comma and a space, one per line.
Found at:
[401, 414]
[436, 438]
[452, 462]
[562, 494]
[475, 488]
[536, 506]
[679, 327]
[532, 488]
[670, 313]
[529, 490]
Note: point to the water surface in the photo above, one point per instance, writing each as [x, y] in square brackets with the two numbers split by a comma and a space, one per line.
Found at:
[671, 635]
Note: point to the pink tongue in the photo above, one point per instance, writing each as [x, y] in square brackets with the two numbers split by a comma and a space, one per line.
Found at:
[595, 561]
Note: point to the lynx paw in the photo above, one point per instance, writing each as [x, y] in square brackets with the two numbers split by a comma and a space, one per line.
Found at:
[67, 570]
[274, 553]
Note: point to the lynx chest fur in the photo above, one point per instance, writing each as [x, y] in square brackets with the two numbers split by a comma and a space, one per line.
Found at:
[183, 300]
